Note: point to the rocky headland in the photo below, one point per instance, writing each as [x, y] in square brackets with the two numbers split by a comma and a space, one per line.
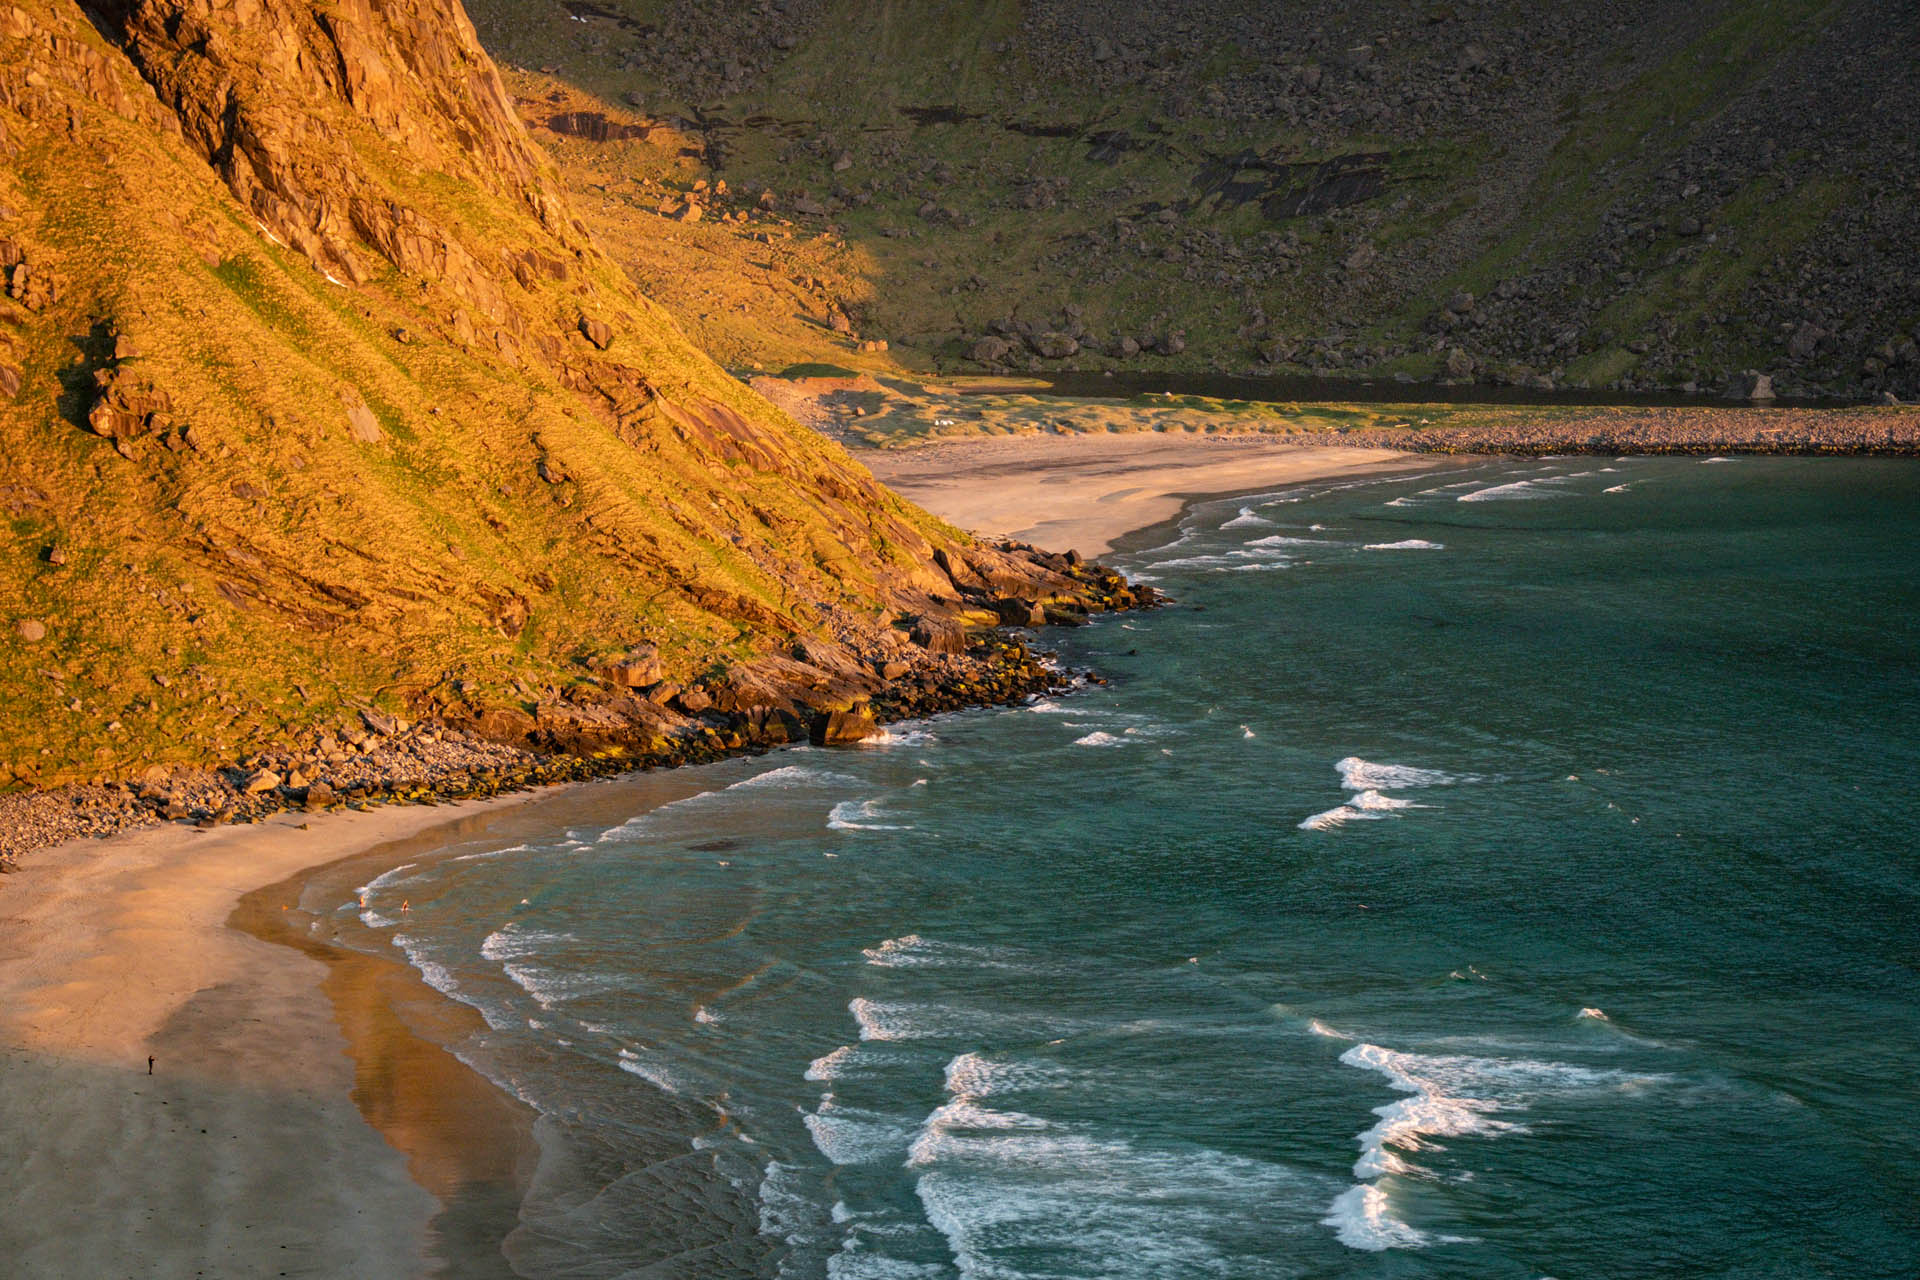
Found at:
[626, 717]
[326, 414]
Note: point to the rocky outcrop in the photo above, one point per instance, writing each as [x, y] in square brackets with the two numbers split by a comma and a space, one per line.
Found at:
[250, 83]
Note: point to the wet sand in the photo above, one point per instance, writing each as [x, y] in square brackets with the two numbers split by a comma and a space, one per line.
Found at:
[297, 1122]
[1082, 492]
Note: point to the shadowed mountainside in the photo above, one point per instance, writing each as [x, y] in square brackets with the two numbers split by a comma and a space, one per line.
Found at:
[1611, 193]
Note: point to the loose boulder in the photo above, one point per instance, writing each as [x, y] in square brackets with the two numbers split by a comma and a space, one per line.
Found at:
[938, 635]
[362, 425]
[990, 350]
[1054, 346]
[128, 408]
[841, 727]
[637, 670]
[1017, 612]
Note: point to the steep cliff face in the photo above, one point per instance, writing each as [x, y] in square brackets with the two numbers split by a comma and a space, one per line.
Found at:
[261, 88]
[314, 391]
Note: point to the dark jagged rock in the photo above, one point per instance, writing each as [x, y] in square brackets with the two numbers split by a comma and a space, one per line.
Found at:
[841, 727]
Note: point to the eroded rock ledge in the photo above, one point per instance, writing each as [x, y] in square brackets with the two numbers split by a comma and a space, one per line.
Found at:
[624, 716]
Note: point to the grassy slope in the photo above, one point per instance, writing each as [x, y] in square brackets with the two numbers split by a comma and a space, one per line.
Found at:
[280, 571]
[931, 285]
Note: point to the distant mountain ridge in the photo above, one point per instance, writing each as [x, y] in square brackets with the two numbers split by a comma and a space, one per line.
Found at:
[1609, 193]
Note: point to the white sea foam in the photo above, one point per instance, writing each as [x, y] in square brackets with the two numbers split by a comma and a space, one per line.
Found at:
[785, 778]
[551, 988]
[513, 941]
[705, 1016]
[486, 854]
[882, 1020]
[1431, 1111]
[899, 738]
[1517, 491]
[1370, 781]
[788, 1211]
[854, 1135]
[860, 815]
[974, 1075]
[912, 951]
[1005, 1186]
[384, 879]
[1247, 519]
[891, 1020]
[374, 920]
[1200, 562]
[1357, 774]
[1591, 1012]
[791, 777]
[1320, 1028]
[1283, 540]
[1328, 819]
[1407, 544]
[1099, 738]
[832, 1066]
[437, 976]
[1362, 1218]
[1618, 488]
[1363, 807]
[862, 1265]
[649, 1067]
[1449, 1096]
[1047, 707]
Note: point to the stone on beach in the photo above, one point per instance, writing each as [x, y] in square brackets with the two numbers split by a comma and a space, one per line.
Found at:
[842, 727]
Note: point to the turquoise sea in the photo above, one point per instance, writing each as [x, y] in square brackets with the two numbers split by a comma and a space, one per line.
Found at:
[1511, 870]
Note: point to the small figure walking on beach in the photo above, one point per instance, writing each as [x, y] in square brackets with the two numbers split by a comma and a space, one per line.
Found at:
[405, 906]
[149, 1064]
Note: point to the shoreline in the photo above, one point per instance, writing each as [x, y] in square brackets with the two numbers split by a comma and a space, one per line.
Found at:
[374, 1152]
[467, 1142]
[245, 1150]
[1086, 492]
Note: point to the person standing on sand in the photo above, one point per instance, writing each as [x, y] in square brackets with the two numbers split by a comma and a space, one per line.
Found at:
[149, 1064]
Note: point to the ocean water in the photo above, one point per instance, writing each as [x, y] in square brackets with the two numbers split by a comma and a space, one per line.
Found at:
[1506, 871]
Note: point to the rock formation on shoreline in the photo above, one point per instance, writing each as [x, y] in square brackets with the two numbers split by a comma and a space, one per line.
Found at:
[318, 398]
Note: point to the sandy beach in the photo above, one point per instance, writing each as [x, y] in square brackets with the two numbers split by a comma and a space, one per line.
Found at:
[1082, 492]
[246, 1153]
[301, 1118]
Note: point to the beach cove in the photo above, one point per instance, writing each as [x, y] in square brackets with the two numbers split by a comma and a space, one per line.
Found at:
[915, 1031]
[139, 943]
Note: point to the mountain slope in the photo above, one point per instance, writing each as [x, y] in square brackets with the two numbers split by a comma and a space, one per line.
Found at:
[317, 392]
[1613, 192]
